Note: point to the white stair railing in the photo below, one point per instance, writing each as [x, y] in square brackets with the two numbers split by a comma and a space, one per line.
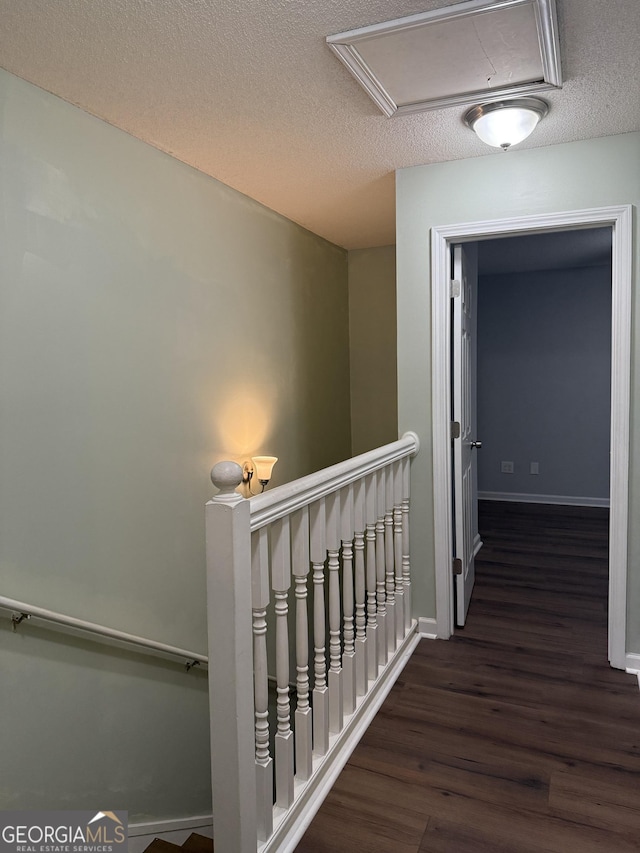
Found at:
[340, 538]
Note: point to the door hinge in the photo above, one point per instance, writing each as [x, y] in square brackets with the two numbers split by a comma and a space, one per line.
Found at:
[457, 566]
[454, 288]
[455, 429]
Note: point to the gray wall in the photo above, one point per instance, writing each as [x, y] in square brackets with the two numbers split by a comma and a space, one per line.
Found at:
[544, 371]
[152, 322]
[573, 176]
[372, 330]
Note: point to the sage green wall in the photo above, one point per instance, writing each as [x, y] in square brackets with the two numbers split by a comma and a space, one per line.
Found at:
[372, 331]
[152, 322]
[573, 176]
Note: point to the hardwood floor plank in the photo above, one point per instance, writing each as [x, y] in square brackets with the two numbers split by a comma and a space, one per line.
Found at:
[368, 811]
[531, 690]
[609, 800]
[557, 734]
[509, 784]
[516, 831]
[443, 836]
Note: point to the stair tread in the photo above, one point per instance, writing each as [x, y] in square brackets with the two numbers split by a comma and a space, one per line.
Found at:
[159, 845]
[196, 843]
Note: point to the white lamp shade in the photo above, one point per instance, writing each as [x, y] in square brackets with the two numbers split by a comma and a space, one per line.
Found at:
[264, 466]
[505, 128]
[506, 123]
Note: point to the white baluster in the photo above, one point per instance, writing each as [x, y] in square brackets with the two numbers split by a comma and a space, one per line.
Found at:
[228, 559]
[349, 652]
[406, 567]
[303, 716]
[381, 596]
[318, 539]
[373, 629]
[397, 539]
[336, 701]
[260, 601]
[281, 582]
[389, 560]
[361, 622]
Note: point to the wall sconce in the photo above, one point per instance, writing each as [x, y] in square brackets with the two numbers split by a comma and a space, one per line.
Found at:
[505, 123]
[261, 466]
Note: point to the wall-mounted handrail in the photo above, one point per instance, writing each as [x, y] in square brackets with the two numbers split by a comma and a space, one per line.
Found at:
[286, 499]
[70, 624]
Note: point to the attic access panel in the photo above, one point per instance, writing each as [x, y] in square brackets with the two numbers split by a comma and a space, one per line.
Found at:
[462, 54]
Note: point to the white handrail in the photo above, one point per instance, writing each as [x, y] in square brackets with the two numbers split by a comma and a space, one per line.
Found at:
[273, 551]
[283, 500]
[20, 608]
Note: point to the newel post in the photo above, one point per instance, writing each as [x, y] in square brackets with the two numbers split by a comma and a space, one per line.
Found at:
[231, 703]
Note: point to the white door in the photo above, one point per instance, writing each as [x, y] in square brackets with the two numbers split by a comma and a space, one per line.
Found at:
[465, 446]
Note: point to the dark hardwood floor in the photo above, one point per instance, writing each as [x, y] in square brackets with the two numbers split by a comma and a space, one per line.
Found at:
[515, 736]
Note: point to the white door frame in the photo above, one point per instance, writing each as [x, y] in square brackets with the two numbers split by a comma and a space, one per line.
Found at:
[620, 220]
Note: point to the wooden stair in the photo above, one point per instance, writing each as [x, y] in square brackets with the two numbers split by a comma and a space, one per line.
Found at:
[194, 844]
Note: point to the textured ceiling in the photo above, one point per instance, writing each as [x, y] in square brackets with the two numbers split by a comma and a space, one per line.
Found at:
[247, 91]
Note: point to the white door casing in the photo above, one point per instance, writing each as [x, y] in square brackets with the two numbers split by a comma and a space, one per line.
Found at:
[619, 218]
[465, 276]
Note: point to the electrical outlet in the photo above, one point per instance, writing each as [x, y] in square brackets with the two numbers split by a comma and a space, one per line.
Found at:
[535, 468]
[506, 467]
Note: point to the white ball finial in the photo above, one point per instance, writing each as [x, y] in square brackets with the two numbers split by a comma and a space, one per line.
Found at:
[227, 476]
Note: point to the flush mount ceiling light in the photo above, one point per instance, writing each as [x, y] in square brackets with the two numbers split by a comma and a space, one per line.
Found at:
[461, 54]
[506, 123]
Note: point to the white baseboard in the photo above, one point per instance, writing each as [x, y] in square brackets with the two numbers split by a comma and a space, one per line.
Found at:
[176, 831]
[562, 500]
[427, 628]
[633, 665]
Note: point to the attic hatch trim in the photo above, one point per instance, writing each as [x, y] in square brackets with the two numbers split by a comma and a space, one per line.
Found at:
[345, 46]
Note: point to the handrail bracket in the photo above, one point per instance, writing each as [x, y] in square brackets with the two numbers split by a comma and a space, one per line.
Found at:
[18, 619]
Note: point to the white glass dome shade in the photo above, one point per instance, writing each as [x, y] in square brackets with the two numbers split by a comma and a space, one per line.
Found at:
[506, 123]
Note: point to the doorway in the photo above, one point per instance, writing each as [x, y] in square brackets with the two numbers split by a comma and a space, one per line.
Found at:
[539, 352]
[442, 240]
